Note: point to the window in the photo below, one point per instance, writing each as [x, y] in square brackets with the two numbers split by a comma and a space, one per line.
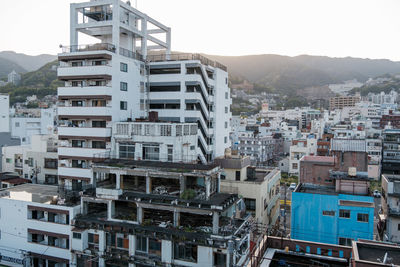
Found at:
[50, 163]
[219, 259]
[36, 215]
[50, 179]
[226, 124]
[151, 152]
[17, 124]
[93, 238]
[362, 217]
[186, 130]
[123, 86]
[99, 103]
[344, 214]
[225, 139]
[123, 105]
[99, 124]
[155, 247]
[398, 227]
[192, 147]
[98, 62]
[76, 64]
[30, 162]
[77, 103]
[141, 243]
[294, 165]
[226, 110]
[127, 151]
[237, 175]
[185, 252]
[250, 204]
[76, 235]
[78, 143]
[328, 212]
[9, 160]
[166, 130]
[99, 144]
[124, 67]
[170, 149]
[226, 95]
[79, 164]
[345, 241]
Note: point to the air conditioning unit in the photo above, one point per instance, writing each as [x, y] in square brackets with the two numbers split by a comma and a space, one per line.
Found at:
[352, 171]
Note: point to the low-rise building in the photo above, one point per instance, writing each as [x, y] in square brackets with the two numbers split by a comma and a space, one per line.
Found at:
[339, 102]
[300, 148]
[159, 213]
[36, 227]
[389, 225]
[333, 214]
[259, 187]
[37, 162]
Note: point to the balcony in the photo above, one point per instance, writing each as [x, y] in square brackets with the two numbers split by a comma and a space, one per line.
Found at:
[89, 47]
[84, 131]
[84, 91]
[85, 111]
[75, 172]
[84, 71]
[80, 152]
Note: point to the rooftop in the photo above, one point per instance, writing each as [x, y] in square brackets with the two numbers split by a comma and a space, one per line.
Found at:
[156, 165]
[374, 252]
[391, 177]
[320, 159]
[316, 189]
[45, 194]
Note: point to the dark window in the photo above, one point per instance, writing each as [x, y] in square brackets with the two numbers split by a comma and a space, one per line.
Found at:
[250, 204]
[237, 175]
[141, 243]
[328, 212]
[76, 235]
[124, 67]
[398, 227]
[50, 163]
[77, 103]
[50, 179]
[99, 124]
[123, 86]
[344, 213]
[362, 217]
[155, 247]
[219, 259]
[185, 251]
[78, 143]
[345, 241]
[99, 103]
[99, 144]
[123, 105]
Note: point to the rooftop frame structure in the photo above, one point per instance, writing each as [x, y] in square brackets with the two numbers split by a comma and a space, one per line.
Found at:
[126, 28]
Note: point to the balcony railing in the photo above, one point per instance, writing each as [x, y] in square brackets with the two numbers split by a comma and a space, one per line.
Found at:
[89, 47]
[186, 56]
[128, 53]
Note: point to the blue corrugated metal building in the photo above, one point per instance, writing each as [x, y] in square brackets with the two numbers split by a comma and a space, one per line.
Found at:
[320, 214]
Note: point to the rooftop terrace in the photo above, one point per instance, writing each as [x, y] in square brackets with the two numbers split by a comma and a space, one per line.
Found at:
[46, 194]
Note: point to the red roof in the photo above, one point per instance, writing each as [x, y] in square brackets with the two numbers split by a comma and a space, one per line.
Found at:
[319, 159]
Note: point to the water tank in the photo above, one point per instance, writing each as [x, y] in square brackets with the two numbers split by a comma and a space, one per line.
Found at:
[352, 171]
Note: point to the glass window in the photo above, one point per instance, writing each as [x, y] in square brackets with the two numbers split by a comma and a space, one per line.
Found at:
[185, 251]
[151, 152]
[141, 243]
[124, 67]
[362, 217]
[99, 144]
[219, 259]
[78, 143]
[76, 235]
[344, 213]
[127, 151]
[170, 152]
[155, 247]
[250, 204]
[124, 86]
[99, 103]
[123, 105]
[345, 241]
[328, 212]
[99, 124]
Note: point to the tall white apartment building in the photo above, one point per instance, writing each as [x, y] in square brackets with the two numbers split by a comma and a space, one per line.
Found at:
[127, 74]
[4, 113]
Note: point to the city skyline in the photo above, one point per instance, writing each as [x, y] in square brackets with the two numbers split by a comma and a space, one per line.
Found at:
[331, 28]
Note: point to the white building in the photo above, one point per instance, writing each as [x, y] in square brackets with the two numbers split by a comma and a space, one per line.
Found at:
[4, 113]
[115, 80]
[172, 142]
[14, 78]
[300, 148]
[35, 230]
[390, 219]
[37, 161]
[25, 125]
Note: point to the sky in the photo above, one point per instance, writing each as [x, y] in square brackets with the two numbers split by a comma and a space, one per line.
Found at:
[336, 28]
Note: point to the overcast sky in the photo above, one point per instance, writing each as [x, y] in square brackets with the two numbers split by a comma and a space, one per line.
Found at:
[338, 28]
